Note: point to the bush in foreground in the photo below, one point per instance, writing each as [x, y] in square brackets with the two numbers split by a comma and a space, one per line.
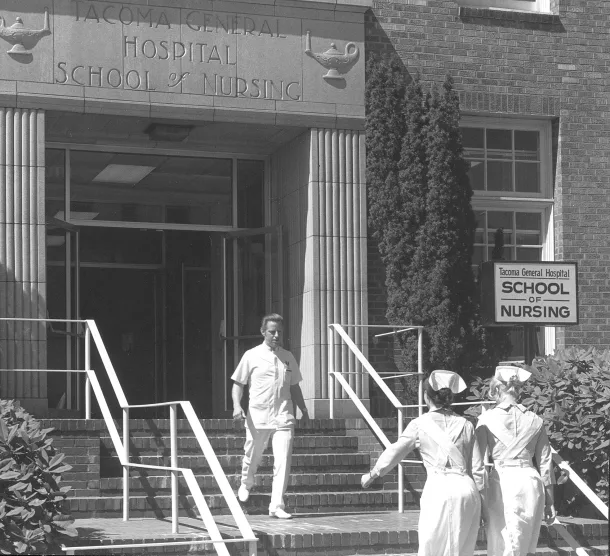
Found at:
[32, 520]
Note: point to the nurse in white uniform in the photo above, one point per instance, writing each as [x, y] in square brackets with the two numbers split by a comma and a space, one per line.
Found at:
[520, 494]
[451, 501]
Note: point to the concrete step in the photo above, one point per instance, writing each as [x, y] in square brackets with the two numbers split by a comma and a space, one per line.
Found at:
[317, 535]
[307, 444]
[110, 467]
[302, 483]
[159, 505]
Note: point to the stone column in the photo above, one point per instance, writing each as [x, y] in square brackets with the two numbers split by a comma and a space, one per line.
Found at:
[337, 238]
[22, 255]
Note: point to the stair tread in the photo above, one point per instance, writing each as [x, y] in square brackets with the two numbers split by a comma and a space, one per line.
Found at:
[325, 526]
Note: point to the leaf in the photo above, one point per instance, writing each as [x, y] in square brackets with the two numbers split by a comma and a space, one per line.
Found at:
[4, 432]
[56, 460]
[68, 530]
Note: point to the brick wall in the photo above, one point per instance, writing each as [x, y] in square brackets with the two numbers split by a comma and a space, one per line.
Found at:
[80, 442]
[551, 66]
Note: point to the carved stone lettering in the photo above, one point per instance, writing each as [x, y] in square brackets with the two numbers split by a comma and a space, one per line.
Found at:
[188, 51]
[139, 16]
[232, 24]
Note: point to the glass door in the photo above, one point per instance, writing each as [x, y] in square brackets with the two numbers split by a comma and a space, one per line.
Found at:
[253, 287]
[63, 288]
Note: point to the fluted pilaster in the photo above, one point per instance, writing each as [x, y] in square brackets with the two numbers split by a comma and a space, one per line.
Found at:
[337, 173]
[22, 251]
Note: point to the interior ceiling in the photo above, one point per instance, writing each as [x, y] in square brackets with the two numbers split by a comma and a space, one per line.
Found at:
[96, 129]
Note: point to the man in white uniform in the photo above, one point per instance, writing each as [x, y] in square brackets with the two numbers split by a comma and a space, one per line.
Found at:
[273, 376]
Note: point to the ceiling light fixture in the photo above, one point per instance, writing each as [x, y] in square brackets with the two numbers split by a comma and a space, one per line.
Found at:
[168, 132]
[128, 174]
[77, 215]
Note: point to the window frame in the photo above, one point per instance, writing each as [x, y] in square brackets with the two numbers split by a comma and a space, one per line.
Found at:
[532, 6]
[541, 126]
[542, 202]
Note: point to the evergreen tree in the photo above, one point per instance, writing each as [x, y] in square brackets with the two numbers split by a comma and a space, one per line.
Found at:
[443, 281]
[385, 128]
[409, 205]
[421, 216]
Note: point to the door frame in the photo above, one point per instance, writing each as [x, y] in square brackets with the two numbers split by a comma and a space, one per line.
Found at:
[72, 307]
[270, 273]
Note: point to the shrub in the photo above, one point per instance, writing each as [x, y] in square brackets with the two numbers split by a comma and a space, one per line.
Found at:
[31, 517]
[571, 390]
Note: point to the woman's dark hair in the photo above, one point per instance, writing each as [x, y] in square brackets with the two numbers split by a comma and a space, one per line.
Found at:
[440, 398]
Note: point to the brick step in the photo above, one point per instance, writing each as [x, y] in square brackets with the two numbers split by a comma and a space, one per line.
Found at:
[318, 535]
[307, 444]
[110, 467]
[303, 482]
[159, 506]
[212, 427]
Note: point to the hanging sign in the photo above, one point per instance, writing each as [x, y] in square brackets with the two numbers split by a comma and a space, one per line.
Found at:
[541, 293]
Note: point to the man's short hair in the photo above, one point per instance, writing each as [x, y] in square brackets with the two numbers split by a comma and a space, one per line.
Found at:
[271, 317]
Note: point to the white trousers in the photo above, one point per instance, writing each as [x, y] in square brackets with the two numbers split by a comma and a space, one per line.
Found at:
[281, 444]
[516, 510]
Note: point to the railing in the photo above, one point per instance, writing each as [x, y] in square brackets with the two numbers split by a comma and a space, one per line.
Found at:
[334, 375]
[122, 449]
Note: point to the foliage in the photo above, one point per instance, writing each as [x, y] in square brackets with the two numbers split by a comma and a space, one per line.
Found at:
[421, 217]
[32, 520]
[571, 390]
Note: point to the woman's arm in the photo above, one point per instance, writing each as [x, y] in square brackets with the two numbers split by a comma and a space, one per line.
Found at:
[392, 455]
[544, 459]
[481, 445]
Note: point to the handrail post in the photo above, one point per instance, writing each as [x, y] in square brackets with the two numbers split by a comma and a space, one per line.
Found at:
[401, 475]
[174, 463]
[331, 370]
[125, 465]
[87, 368]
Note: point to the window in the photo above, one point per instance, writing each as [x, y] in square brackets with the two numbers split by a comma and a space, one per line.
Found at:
[522, 234]
[503, 160]
[154, 187]
[510, 173]
[516, 5]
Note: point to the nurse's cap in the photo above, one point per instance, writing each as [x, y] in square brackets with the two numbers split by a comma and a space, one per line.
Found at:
[505, 373]
[446, 379]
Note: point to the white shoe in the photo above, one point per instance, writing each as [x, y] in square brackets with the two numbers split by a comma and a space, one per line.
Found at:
[243, 494]
[280, 514]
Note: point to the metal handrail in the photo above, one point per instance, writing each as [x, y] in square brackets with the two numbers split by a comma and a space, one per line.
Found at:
[122, 448]
[336, 328]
